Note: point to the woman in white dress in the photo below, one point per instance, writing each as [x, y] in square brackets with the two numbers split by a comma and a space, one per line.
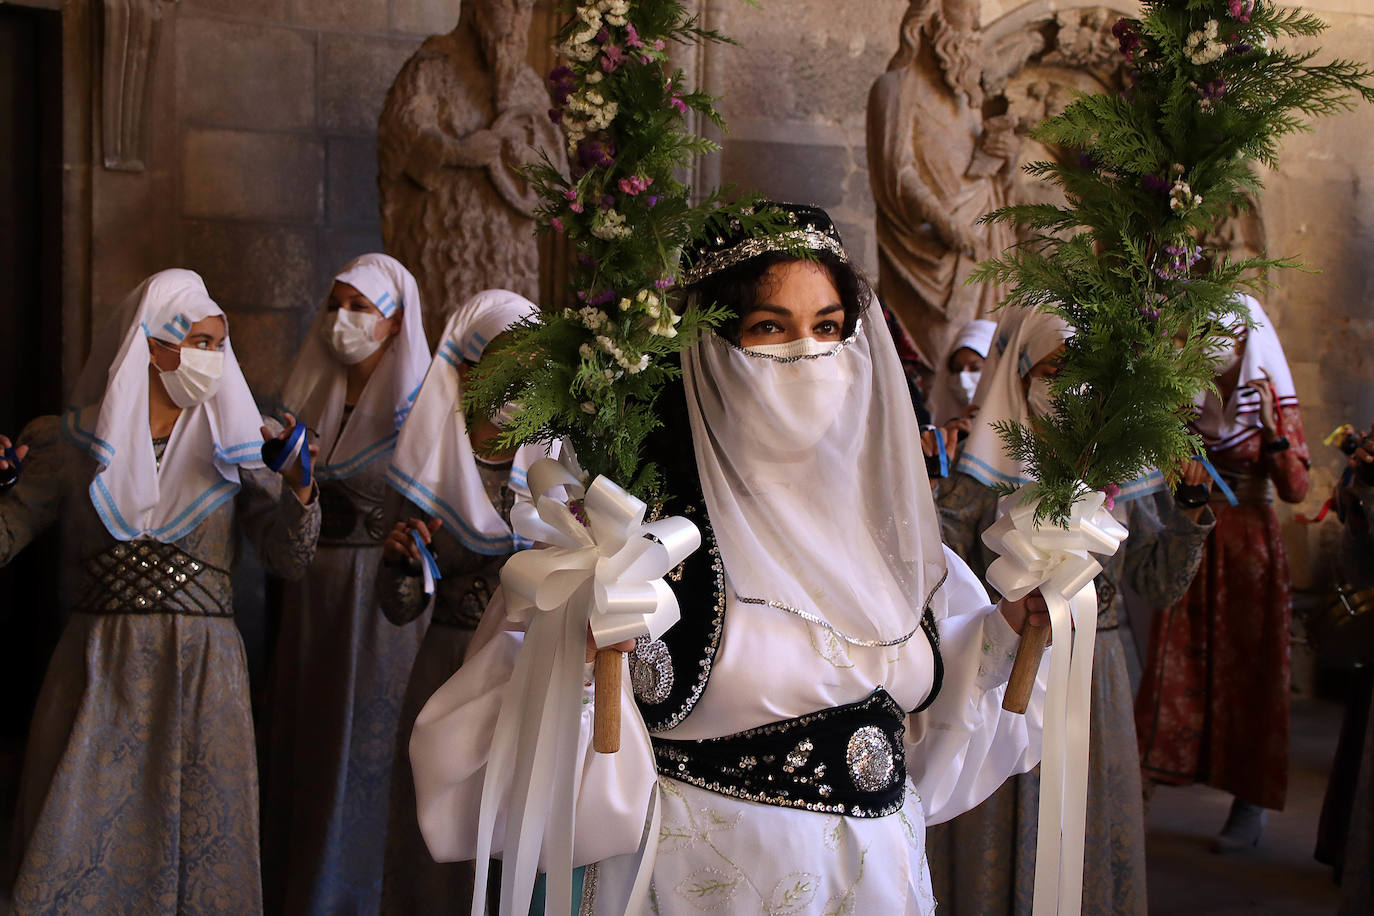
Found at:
[835, 683]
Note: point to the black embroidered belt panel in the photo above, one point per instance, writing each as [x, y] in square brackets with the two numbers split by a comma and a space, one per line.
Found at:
[843, 760]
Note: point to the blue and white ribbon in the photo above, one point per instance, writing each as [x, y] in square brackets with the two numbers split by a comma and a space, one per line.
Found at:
[940, 451]
[1217, 479]
[13, 458]
[296, 444]
[428, 566]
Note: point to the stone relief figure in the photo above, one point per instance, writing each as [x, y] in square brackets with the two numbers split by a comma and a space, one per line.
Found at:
[465, 113]
[936, 166]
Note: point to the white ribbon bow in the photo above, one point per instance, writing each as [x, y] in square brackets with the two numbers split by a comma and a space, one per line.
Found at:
[603, 567]
[1059, 562]
[601, 537]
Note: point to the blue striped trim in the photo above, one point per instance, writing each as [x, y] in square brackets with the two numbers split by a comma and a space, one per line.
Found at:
[426, 499]
[985, 473]
[357, 462]
[98, 449]
[105, 507]
[1146, 485]
[386, 304]
[473, 347]
[177, 328]
[186, 522]
[450, 354]
[238, 454]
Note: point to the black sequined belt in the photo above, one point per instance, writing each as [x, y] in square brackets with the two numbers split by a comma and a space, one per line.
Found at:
[150, 577]
[843, 760]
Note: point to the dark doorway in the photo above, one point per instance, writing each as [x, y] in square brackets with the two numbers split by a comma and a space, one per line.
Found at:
[30, 346]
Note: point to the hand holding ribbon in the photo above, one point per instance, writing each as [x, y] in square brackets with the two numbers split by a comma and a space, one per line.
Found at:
[1059, 562]
[11, 463]
[603, 567]
[277, 452]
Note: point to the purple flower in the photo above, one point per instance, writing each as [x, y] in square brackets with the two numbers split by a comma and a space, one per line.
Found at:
[586, 260]
[1148, 313]
[1112, 491]
[1155, 185]
[1127, 38]
[570, 194]
[632, 38]
[576, 207]
[611, 58]
[676, 102]
[1214, 89]
[665, 282]
[1181, 261]
[602, 37]
[1240, 9]
[651, 199]
[561, 83]
[635, 184]
[556, 223]
[1239, 47]
[607, 201]
[605, 297]
[594, 152]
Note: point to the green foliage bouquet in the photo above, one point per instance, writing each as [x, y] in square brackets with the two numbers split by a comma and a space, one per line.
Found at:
[591, 368]
[1209, 95]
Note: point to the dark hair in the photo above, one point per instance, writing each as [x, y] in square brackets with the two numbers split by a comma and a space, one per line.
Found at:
[738, 288]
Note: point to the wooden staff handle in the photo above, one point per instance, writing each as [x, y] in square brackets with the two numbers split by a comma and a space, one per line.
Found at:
[1025, 668]
[606, 712]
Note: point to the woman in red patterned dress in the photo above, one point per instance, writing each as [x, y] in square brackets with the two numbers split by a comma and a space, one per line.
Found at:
[1213, 706]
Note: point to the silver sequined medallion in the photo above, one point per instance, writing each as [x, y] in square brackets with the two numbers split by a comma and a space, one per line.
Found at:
[870, 759]
[651, 671]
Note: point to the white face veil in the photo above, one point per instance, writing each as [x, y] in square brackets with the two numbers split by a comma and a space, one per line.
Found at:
[815, 482]
[434, 466]
[317, 383]
[1224, 425]
[133, 496]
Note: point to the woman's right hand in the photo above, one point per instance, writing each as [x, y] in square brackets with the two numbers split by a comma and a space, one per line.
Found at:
[400, 547]
[5, 446]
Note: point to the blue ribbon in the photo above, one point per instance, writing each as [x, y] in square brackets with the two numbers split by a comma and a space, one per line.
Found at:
[18, 466]
[431, 568]
[295, 444]
[1216, 479]
[940, 450]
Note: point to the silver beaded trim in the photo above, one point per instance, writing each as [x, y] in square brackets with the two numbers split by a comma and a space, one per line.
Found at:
[712, 644]
[852, 640]
[810, 238]
[858, 327]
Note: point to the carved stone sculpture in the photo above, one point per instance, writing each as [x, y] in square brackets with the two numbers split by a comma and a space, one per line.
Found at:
[463, 116]
[130, 30]
[936, 167]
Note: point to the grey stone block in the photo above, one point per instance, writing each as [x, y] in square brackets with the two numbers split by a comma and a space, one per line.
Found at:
[339, 246]
[424, 17]
[265, 343]
[246, 9]
[351, 182]
[244, 75]
[353, 15]
[788, 171]
[251, 175]
[355, 73]
[253, 266]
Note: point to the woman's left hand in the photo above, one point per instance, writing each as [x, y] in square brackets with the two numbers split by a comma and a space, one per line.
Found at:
[1030, 609]
[291, 474]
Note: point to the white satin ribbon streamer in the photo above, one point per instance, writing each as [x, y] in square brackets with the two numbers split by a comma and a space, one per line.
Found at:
[1059, 562]
[602, 566]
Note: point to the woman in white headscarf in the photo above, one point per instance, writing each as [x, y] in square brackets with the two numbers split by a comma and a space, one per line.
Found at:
[983, 863]
[139, 791]
[1213, 706]
[956, 379]
[452, 475]
[339, 669]
[835, 682]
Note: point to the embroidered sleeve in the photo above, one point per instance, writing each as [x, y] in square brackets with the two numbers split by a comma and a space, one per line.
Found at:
[1164, 549]
[283, 531]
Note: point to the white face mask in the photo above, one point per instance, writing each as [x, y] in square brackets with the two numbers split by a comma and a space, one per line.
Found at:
[802, 346]
[1038, 399]
[802, 400]
[196, 379]
[962, 385]
[351, 336]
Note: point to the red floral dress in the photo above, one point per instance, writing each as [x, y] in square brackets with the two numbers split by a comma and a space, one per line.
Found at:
[1213, 705]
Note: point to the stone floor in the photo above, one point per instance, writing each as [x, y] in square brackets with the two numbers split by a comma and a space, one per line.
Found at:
[1280, 875]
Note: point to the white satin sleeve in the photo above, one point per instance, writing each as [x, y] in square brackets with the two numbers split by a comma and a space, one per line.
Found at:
[452, 739]
[965, 745]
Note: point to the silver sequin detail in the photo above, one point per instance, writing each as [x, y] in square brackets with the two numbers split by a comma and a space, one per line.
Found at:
[651, 671]
[798, 756]
[141, 574]
[810, 237]
[870, 759]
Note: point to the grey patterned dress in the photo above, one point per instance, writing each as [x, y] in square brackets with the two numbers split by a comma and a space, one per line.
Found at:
[413, 882]
[139, 792]
[339, 674]
[983, 862]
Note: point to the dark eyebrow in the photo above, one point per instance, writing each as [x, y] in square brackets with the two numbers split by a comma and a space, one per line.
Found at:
[200, 334]
[830, 309]
[771, 309]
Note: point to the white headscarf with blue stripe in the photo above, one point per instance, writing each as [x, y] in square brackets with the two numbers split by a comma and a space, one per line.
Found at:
[209, 443]
[434, 466]
[316, 386]
[1024, 337]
